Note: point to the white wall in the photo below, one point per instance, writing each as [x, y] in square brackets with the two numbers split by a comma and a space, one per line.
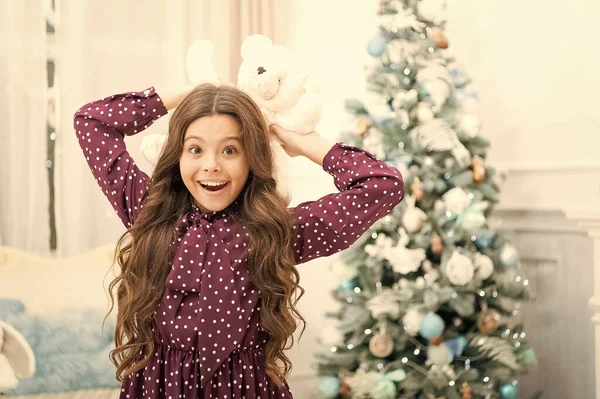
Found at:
[535, 66]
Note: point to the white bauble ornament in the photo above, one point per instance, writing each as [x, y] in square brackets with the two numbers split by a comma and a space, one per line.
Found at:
[484, 265]
[456, 200]
[413, 219]
[412, 321]
[331, 336]
[424, 112]
[459, 269]
[439, 355]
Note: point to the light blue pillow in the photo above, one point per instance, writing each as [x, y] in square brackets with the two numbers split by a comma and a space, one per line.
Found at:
[9, 307]
[71, 350]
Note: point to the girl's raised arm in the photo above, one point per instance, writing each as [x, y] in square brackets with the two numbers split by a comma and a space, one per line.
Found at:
[101, 127]
[369, 190]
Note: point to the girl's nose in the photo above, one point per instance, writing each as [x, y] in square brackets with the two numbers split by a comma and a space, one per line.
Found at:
[210, 163]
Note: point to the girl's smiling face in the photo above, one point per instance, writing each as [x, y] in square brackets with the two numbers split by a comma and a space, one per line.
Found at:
[213, 164]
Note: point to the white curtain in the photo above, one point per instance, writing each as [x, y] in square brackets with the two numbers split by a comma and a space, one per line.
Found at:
[24, 217]
[114, 46]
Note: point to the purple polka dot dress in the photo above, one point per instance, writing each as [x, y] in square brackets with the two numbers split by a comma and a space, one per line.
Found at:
[209, 341]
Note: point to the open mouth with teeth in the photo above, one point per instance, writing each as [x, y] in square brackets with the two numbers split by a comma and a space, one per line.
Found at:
[214, 187]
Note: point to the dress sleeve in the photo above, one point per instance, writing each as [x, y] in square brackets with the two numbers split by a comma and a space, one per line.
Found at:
[101, 127]
[369, 190]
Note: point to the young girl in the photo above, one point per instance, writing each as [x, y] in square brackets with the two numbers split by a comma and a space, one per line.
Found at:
[208, 286]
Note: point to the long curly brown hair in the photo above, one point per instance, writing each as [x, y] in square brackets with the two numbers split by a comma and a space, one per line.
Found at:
[143, 252]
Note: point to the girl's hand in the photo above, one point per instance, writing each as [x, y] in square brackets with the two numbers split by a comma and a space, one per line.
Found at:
[173, 97]
[311, 145]
[291, 142]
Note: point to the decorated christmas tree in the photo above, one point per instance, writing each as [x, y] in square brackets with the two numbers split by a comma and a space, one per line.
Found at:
[431, 296]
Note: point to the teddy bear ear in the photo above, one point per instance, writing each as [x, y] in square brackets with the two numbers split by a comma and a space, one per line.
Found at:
[199, 63]
[255, 44]
[202, 48]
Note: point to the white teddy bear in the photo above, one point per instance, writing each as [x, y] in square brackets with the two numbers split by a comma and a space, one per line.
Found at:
[281, 86]
[271, 75]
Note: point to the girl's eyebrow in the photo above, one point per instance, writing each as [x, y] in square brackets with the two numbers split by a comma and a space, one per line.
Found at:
[201, 139]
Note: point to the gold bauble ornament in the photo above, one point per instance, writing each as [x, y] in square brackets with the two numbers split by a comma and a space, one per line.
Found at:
[439, 37]
[436, 244]
[417, 189]
[362, 125]
[345, 390]
[437, 340]
[488, 320]
[465, 391]
[478, 166]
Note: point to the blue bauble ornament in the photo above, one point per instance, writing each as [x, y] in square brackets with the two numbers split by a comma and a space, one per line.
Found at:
[483, 239]
[508, 391]
[329, 387]
[384, 389]
[424, 94]
[456, 345]
[431, 326]
[348, 285]
[377, 46]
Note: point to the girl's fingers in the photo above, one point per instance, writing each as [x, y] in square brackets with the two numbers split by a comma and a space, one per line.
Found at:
[276, 130]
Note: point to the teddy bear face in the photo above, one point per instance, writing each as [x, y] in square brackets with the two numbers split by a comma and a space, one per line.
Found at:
[271, 79]
[261, 79]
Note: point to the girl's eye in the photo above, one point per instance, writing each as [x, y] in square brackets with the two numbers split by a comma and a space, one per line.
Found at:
[233, 150]
[192, 150]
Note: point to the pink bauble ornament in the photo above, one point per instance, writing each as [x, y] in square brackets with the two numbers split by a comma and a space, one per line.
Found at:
[381, 345]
